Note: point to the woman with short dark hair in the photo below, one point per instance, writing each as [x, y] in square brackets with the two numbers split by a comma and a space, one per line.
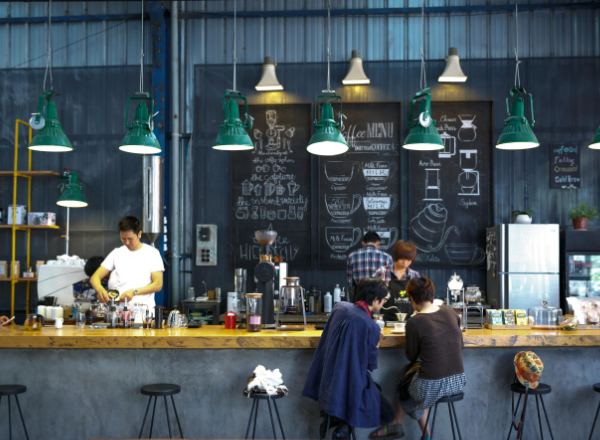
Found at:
[397, 275]
[433, 335]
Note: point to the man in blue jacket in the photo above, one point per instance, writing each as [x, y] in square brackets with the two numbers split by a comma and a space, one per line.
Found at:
[339, 377]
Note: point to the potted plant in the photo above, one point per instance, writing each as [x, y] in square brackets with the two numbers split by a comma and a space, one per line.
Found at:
[580, 215]
[522, 217]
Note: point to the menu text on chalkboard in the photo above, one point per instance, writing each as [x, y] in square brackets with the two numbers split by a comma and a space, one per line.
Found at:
[271, 186]
[565, 165]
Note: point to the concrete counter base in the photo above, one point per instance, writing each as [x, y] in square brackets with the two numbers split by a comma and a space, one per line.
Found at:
[90, 393]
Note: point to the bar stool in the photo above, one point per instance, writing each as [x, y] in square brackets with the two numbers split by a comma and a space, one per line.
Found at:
[451, 410]
[13, 390]
[596, 389]
[263, 396]
[541, 389]
[337, 422]
[158, 390]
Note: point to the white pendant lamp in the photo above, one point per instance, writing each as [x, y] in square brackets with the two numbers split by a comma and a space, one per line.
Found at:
[452, 72]
[356, 74]
[268, 81]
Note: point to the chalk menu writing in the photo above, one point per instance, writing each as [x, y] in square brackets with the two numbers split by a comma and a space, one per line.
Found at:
[271, 186]
[450, 189]
[359, 190]
[565, 166]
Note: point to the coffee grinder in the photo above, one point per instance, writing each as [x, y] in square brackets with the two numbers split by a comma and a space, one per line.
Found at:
[264, 272]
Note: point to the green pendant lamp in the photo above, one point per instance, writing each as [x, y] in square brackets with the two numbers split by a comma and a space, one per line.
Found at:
[327, 139]
[50, 136]
[423, 136]
[232, 135]
[140, 138]
[595, 144]
[517, 133]
[71, 197]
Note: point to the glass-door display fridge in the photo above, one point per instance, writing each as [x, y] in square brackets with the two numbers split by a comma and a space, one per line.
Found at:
[580, 268]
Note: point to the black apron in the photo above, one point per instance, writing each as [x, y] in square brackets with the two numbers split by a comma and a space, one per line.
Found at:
[398, 299]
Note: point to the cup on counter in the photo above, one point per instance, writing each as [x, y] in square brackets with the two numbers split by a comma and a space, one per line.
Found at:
[80, 320]
[400, 326]
[58, 323]
[58, 313]
[230, 320]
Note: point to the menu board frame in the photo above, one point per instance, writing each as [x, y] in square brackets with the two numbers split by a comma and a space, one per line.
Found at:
[387, 217]
[478, 260]
[284, 244]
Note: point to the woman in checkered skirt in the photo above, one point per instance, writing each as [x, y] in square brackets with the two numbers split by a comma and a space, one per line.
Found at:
[434, 337]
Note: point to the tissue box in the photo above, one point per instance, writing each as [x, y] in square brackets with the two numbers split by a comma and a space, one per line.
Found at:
[41, 218]
[21, 215]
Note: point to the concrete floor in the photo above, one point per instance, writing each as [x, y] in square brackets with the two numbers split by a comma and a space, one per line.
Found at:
[83, 394]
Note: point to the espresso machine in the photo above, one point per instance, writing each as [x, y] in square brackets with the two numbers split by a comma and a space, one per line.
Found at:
[264, 272]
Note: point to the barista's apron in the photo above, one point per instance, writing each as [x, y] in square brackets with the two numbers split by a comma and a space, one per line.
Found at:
[398, 299]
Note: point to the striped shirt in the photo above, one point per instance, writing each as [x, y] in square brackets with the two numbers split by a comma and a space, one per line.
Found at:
[363, 263]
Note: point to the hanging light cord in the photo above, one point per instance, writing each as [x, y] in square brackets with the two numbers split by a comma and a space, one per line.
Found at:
[328, 44]
[142, 53]
[234, 43]
[517, 76]
[49, 48]
[423, 81]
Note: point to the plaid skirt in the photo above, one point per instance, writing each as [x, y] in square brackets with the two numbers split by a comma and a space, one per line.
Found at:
[424, 392]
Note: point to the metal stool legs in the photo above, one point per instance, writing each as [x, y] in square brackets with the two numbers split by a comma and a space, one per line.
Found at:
[539, 417]
[254, 410]
[166, 411]
[451, 413]
[10, 418]
[595, 419]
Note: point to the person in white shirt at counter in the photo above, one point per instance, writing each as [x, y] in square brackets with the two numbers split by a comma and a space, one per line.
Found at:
[137, 268]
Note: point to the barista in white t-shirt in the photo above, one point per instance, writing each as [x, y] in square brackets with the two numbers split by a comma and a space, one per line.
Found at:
[137, 269]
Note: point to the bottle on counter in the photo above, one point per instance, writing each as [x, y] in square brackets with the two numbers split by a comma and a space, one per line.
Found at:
[126, 316]
[337, 294]
[327, 301]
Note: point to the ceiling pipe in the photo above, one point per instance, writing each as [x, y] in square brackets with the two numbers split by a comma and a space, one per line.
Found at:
[174, 223]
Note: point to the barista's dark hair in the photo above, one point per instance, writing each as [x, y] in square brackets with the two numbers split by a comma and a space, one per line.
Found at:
[371, 289]
[129, 223]
[404, 250]
[92, 265]
[371, 237]
[421, 289]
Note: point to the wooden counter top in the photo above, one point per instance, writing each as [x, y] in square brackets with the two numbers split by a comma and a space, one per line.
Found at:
[218, 337]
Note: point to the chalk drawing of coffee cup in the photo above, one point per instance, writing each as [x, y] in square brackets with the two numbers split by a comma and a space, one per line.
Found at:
[342, 205]
[293, 187]
[379, 206]
[281, 214]
[271, 215]
[262, 168]
[242, 213]
[379, 172]
[341, 239]
[464, 254]
[280, 189]
[340, 172]
[292, 213]
[387, 237]
[278, 168]
[300, 213]
[247, 188]
[263, 212]
[269, 188]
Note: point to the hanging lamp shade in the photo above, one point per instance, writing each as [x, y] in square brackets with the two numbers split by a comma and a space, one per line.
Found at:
[452, 71]
[50, 137]
[140, 138]
[268, 81]
[327, 139]
[233, 135]
[423, 134]
[517, 133]
[72, 197]
[595, 144]
[356, 74]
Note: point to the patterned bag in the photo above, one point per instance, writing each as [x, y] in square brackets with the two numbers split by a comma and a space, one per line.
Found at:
[405, 381]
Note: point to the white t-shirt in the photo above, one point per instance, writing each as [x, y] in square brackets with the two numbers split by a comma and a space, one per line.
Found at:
[133, 269]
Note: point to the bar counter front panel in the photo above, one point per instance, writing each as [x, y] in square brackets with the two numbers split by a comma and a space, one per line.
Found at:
[89, 392]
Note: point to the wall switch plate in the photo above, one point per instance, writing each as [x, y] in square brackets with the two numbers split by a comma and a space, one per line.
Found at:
[206, 245]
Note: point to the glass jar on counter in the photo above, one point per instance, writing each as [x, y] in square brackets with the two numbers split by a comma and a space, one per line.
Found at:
[253, 312]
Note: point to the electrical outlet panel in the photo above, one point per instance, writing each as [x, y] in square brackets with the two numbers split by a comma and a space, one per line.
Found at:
[206, 245]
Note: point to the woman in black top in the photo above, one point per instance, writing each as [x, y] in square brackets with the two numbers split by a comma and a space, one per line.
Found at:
[434, 337]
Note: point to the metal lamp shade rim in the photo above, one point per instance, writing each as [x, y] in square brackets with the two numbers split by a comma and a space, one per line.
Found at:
[51, 138]
[72, 198]
[268, 81]
[423, 139]
[595, 143]
[233, 139]
[452, 71]
[517, 135]
[327, 140]
[356, 73]
[140, 140]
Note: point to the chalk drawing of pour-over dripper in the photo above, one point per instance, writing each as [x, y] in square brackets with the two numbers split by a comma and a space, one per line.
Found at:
[274, 131]
[469, 178]
[449, 146]
[468, 130]
[432, 184]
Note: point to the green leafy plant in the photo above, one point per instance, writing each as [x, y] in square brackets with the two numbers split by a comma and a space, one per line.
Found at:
[517, 213]
[584, 211]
